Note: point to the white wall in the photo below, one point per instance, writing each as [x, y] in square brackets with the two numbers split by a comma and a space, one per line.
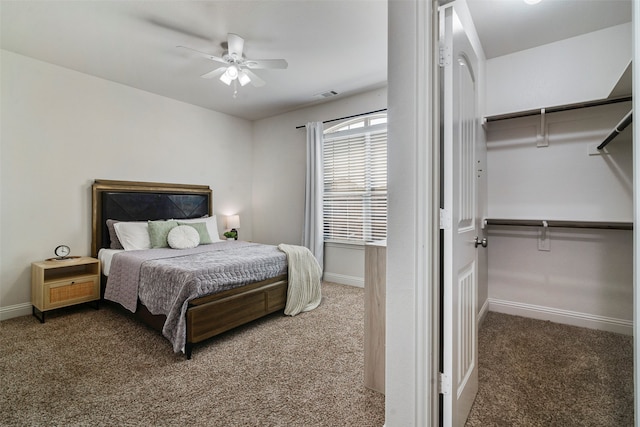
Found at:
[578, 69]
[562, 180]
[62, 129]
[586, 278]
[279, 163]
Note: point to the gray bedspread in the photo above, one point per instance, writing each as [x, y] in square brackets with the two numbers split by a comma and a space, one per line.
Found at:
[167, 279]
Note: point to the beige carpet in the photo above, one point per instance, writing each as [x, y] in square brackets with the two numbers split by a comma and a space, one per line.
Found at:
[100, 368]
[536, 373]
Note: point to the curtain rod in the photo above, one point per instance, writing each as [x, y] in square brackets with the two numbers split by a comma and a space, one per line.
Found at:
[348, 117]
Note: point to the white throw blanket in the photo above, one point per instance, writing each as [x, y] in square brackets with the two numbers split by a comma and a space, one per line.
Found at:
[304, 292]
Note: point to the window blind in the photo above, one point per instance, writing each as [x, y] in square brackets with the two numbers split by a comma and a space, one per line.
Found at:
[355, 184]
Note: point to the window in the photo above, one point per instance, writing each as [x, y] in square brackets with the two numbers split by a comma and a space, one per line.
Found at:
[355, 180]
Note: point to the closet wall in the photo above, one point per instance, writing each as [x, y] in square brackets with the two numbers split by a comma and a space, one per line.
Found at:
[549, 169]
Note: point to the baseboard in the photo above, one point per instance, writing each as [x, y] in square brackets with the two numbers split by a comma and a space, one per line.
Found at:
[482, 314]
[567, 317]
[343, 279]
[17, 310]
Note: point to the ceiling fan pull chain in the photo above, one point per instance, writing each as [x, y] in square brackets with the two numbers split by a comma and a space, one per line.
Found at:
[235, 88]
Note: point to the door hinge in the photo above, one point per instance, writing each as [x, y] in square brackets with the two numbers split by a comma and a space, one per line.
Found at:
[444, 56]
[445, 219]
[444, 384]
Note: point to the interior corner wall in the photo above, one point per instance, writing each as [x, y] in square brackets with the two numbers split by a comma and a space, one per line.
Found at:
[279, 164]
[62, 129]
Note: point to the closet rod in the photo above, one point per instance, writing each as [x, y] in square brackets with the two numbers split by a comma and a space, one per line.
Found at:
[558, 108]
[562, 224]
[626, 120]
[348, 117]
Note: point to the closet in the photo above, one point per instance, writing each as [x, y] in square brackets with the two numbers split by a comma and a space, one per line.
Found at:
[559, 220]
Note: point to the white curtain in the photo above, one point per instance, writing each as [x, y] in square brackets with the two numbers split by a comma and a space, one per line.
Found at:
[312, 236]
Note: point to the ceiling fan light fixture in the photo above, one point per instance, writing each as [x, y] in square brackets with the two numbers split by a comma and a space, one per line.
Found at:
[232, 72]
[229, 75]
[243, 78]
[224, 78]
[237, 68]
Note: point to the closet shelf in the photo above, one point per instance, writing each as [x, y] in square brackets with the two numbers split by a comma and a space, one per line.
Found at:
[560, 223]
[556, 109]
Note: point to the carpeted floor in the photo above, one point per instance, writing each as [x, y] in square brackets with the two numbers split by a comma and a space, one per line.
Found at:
[537, 373]
[100, 368]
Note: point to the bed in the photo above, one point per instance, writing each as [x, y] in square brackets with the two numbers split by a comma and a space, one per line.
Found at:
[206, 315]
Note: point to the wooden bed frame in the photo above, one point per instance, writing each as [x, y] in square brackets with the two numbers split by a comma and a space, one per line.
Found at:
[206, 316]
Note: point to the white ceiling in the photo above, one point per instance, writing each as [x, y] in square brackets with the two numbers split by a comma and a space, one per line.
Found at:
[338, 45]
[507, 26]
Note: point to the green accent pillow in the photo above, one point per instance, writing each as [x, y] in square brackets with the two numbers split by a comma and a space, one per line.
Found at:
[158, 232]
[201, 228]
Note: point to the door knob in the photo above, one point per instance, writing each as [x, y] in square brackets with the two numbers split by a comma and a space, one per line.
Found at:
[479, 242]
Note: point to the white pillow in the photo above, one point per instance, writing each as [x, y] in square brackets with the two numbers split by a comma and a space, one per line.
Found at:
[212, 226]
[133, 235]
[183, 237]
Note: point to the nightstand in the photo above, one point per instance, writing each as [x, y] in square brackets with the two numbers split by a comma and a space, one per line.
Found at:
[61, 283]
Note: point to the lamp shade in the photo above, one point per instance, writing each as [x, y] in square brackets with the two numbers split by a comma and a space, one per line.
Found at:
[233, 221]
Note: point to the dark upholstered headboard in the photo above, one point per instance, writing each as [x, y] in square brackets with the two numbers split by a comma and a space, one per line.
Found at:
[141, 201]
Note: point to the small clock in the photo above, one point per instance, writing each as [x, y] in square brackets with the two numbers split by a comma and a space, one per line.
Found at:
[62, 251]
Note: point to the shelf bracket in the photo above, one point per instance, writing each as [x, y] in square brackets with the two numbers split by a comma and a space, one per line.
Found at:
[543, 237]
[543, 137]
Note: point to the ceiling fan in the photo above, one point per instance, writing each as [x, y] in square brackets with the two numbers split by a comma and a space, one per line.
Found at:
[237, 68]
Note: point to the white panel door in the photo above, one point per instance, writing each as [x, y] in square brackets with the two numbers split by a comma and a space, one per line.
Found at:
[460, 199]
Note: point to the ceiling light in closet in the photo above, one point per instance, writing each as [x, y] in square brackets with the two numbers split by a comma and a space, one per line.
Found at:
[532, 1]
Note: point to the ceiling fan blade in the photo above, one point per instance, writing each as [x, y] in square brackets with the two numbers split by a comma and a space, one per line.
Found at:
[255, 80]
[206, 55]
[215, 73]
[266, 63]
[235, 45]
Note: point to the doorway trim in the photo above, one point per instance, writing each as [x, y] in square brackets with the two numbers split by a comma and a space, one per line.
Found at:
[635, 17]
[412, 257]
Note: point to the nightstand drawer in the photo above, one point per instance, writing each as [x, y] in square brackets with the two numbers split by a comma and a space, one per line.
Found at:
[59, 294]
